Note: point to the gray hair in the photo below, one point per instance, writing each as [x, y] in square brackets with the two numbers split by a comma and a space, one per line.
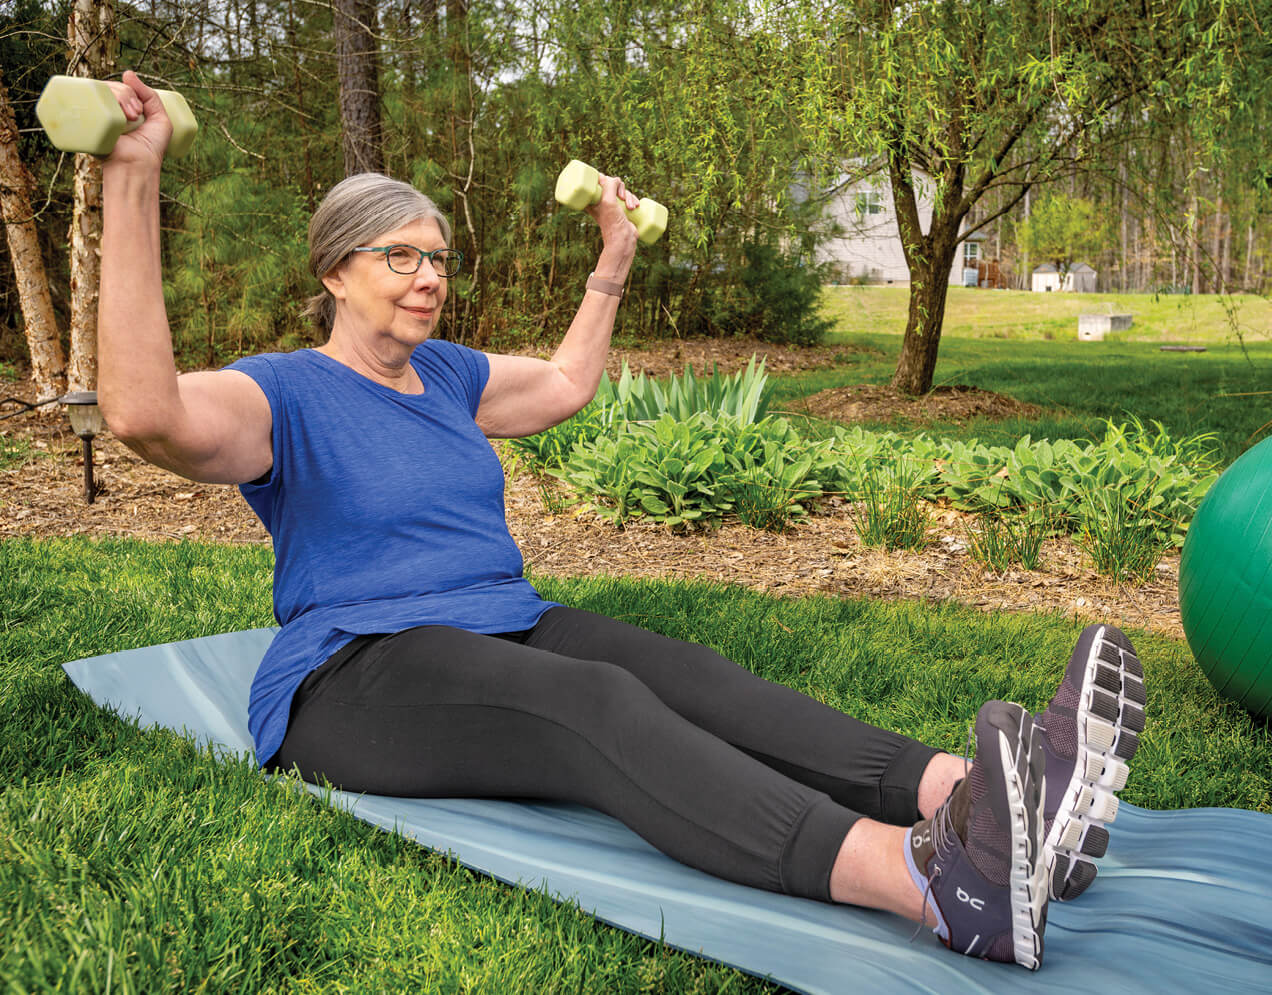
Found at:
[356, 210]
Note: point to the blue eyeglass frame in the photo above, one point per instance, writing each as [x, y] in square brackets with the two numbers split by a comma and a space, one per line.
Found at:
[446, 253]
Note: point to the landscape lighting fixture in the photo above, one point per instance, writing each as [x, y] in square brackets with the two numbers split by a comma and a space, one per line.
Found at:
[87, 423]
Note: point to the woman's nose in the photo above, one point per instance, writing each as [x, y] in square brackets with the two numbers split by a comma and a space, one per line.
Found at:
[427, 276]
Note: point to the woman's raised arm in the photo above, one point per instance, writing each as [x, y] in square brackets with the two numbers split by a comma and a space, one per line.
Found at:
[525, 395]
[211, 426]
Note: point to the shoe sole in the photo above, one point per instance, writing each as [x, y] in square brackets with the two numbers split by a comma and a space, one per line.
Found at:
[1110, 717]
[1023, 768]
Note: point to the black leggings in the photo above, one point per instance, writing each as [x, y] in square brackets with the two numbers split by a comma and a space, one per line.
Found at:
[745, 779]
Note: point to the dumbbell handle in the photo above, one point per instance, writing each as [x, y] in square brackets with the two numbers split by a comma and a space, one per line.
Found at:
[579, 186]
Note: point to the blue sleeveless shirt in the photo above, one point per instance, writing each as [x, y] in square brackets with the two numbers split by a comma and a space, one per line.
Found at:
[386, 511]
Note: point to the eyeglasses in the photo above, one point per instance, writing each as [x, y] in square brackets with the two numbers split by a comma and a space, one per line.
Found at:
[407, 259]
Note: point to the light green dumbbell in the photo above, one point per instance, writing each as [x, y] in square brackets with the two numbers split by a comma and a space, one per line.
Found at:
[83, 115]
[579, 186]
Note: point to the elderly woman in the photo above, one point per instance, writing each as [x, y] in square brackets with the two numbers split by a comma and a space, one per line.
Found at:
[415, 659]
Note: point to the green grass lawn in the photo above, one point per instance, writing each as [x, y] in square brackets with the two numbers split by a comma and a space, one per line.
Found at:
[133, 861]
[1201, 319]
[998, 340]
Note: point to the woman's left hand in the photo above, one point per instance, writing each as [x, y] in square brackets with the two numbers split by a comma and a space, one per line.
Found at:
[617, 233]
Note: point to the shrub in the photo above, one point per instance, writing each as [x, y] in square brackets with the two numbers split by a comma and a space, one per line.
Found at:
[778, 299]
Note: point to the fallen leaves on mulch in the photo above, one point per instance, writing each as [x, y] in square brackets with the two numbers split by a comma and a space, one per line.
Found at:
[821, 554]
[668, 357]
[873, 402]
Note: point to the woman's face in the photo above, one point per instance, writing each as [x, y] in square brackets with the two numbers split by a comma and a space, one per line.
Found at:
[372, 300]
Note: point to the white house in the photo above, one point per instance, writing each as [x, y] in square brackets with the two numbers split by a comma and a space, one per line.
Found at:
[868, 248]
[1080, 279]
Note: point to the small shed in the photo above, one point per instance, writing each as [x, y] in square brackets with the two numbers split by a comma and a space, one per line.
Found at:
[1045, 279]
[1080, 279]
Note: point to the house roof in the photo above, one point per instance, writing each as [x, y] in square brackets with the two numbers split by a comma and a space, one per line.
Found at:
[1081, 268]
[1046, 268]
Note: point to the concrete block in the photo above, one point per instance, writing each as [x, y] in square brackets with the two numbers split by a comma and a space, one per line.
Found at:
[1093, 327]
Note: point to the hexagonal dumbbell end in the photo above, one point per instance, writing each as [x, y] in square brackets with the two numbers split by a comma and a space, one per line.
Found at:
[650, 219]
[82, 115]
[579, 186]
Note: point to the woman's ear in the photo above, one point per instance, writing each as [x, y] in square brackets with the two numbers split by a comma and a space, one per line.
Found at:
[333, 280]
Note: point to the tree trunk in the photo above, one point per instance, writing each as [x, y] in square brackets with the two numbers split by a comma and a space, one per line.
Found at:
[426, 17]
[1245, 281]
[91, 35]
[48, 364]
[1217, 242]
[460, 117]
[1226, 269]
[929, 257]
[1026, 274]
[358, 56]
[1194, 242]
[1124, 273]
[302, 121]
[929, 287]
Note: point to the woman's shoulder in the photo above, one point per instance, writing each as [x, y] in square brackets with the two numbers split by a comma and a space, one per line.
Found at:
[276, 360]
[462, 366]
[451, 355]
[281, 365]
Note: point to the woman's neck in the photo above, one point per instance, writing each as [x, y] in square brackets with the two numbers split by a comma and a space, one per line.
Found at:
[389, 367]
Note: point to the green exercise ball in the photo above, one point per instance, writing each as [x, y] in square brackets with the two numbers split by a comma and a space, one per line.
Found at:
[1225, 582]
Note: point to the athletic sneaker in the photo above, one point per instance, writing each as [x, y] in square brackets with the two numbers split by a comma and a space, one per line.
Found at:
[1089, 733]
[980, 856]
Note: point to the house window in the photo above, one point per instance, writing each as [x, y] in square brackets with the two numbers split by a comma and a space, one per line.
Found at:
[971, 254]
[869, 202]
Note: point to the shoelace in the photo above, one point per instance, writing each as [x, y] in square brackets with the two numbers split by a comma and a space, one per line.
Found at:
[926, 892]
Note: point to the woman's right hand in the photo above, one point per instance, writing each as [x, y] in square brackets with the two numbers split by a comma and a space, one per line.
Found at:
[146, 145]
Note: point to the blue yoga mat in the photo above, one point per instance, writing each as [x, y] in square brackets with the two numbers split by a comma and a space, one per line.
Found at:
[1183, 901]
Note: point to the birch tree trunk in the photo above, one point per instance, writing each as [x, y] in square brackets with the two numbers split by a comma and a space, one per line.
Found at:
[48, 363]
[91, 36]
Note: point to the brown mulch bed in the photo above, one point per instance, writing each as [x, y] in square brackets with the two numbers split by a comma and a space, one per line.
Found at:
[876, 402]
[822, 554]
[670, 357]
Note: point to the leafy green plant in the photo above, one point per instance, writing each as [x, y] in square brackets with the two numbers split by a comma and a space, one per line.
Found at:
[690, 472]
[760, 473]
[770, 487]
[605, 470]
[890, 514]
[761, 503]
[13, 451]
[550, 496]
[1122, 532]
[1000, 540]
[549, 449]
[743, 396]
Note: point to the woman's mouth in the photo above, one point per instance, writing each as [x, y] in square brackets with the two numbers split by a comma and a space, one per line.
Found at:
[419, 312]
